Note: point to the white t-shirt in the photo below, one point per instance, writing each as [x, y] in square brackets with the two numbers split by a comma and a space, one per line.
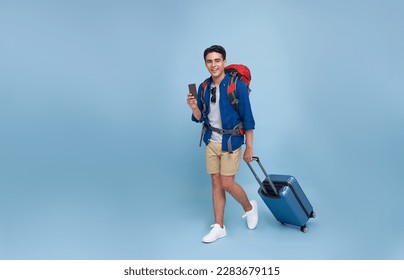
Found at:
[214, 117]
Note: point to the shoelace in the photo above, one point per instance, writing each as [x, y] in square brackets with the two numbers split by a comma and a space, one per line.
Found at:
[246, 214]
[212, 226]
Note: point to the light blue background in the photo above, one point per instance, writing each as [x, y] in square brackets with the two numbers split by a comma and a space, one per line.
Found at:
[99, 158]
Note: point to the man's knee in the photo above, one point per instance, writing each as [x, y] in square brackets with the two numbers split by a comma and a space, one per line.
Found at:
[216, 181]
[227, 182]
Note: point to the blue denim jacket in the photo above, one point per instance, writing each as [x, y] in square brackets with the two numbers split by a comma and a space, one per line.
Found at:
[230, 117]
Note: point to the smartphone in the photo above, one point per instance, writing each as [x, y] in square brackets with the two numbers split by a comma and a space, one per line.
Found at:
[192, 90]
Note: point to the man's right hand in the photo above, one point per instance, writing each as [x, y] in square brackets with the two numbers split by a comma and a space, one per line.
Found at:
[191, 101]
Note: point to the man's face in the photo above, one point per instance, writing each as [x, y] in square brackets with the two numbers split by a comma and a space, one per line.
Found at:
[215, 64]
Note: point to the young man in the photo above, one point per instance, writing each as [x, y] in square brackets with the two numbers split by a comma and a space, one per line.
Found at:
[223, 150]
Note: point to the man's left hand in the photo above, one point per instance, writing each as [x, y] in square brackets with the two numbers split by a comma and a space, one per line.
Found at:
[248, 154]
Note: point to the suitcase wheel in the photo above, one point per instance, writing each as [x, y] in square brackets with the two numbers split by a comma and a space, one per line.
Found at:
[313, 214]
[304, 229]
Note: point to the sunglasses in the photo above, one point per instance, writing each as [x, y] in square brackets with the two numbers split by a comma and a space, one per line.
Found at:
[213, 95]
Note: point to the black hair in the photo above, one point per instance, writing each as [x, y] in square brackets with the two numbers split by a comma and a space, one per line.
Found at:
[215, 48]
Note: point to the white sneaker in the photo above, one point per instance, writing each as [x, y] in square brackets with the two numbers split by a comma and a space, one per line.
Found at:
[252, 216]
[215, 233]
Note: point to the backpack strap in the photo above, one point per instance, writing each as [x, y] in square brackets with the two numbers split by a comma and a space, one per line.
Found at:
[231, 91]
[203, 94]
[237, 130]
[202, 97]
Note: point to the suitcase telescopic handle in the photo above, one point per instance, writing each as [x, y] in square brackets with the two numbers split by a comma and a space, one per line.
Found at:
[266, 176]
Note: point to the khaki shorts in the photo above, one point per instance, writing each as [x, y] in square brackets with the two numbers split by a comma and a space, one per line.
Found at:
[224, 163]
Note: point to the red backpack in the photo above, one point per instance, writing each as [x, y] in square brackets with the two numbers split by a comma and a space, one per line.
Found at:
[236, 72]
